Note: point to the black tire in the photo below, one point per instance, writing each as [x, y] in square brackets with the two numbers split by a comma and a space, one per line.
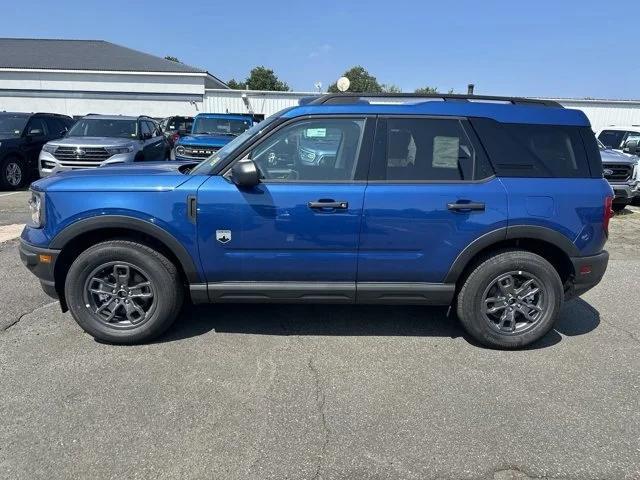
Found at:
[13, 174]
[492, 329]
[618, 207]
[139, 262]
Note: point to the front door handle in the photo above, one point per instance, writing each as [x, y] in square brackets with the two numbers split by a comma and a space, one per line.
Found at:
[466, 207]
[328, 204]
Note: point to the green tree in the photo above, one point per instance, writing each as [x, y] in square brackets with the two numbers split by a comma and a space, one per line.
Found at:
[361, 81]
[173, 59]
[390, 88]
[263, 78]
[426, 90]
[235, 85]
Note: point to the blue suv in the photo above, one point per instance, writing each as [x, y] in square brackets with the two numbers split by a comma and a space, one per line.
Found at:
[496, 207]
[209, 133]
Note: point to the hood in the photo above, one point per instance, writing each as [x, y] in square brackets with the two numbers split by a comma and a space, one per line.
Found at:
[144, 176]
[612, 156]
[93, 141]
[5, 138]
[205, 140]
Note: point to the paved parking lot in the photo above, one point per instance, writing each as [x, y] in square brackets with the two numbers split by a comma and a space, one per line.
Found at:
[310, 392]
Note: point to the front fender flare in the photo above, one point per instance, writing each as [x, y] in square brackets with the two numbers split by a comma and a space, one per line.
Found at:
[135, 225]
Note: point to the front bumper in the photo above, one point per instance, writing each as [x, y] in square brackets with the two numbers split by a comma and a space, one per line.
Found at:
[50, 165]
[623, 193]
[588, 273]
[41, 262]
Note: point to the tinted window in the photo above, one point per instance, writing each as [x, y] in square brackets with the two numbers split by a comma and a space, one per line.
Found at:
[12, 125]
[144, 128]
[527, 150]
[152, 128]
[100, 127]
[36, 127]
[221, 126]
[56, 127]
[427, 149]
[180, 124]
[559, 150]
[324, 149]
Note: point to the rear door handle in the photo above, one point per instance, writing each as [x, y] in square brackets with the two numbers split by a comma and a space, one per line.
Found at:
[328, 204]
[465, 207]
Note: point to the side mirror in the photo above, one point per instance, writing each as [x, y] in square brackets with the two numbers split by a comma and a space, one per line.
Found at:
[146, 136]
[245, 174]
[631, 146]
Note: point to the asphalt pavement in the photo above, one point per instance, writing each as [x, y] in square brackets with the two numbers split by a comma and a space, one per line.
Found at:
[321, 392]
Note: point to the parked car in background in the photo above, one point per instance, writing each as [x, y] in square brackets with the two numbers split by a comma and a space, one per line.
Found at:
[496, 208]
[616, 137]
[622, 171]
[175, 127]
[210, 132]
[101, 140]
[22, 136]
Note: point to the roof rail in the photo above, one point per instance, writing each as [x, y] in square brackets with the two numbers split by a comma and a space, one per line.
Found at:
[348, 97]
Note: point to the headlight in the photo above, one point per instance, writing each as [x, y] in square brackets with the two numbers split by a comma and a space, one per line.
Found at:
[117, 150]
[49, 148]
[36, 208]
[180, 150]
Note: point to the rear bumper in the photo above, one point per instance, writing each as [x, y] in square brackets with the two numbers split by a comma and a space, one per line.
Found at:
[41, 262]
[588, 273]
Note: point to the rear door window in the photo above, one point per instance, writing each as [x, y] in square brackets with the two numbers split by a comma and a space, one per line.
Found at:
[427, 149]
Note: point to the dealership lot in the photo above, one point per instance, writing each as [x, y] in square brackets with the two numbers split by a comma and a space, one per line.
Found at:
[242, 391]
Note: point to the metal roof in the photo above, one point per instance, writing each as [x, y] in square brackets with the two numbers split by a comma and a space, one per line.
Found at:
[95, 55]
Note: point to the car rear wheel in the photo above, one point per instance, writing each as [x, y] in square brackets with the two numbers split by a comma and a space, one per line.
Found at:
[12, 173]
[123, 292]
[510, 299]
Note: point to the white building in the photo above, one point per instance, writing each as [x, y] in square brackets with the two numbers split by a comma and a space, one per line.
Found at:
[76, 77]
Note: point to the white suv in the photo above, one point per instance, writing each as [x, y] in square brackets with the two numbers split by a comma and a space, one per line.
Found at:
[100, 140]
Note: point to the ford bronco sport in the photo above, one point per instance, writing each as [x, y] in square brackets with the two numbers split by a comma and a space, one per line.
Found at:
[494, 206]
[209, 133]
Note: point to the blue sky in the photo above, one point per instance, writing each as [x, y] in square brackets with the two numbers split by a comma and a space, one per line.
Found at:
[538, 48]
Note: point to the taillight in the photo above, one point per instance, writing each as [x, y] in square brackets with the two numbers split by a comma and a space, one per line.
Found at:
[608, 213]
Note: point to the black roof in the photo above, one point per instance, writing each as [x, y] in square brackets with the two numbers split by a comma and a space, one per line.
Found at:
[53, 54]
[352, 97]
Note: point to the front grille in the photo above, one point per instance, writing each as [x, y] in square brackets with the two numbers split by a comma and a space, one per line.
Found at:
[86, 155]
[198, 152]
[617, 172]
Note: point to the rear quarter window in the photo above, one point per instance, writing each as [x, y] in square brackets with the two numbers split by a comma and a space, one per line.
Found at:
[528, 150]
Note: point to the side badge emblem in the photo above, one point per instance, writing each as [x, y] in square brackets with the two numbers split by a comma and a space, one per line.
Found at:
[223, 236]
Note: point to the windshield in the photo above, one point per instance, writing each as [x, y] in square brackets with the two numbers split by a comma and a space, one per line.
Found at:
[101, 127]
[12, 125]
[220, 126]
[206, 165]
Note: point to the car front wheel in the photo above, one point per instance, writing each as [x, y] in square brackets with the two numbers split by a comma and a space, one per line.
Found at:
[123, 292]
[12, 173]
[510, 299]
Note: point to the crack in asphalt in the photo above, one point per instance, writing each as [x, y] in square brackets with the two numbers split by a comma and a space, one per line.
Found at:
[320, 401]
[618, 327]
[22, 315]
